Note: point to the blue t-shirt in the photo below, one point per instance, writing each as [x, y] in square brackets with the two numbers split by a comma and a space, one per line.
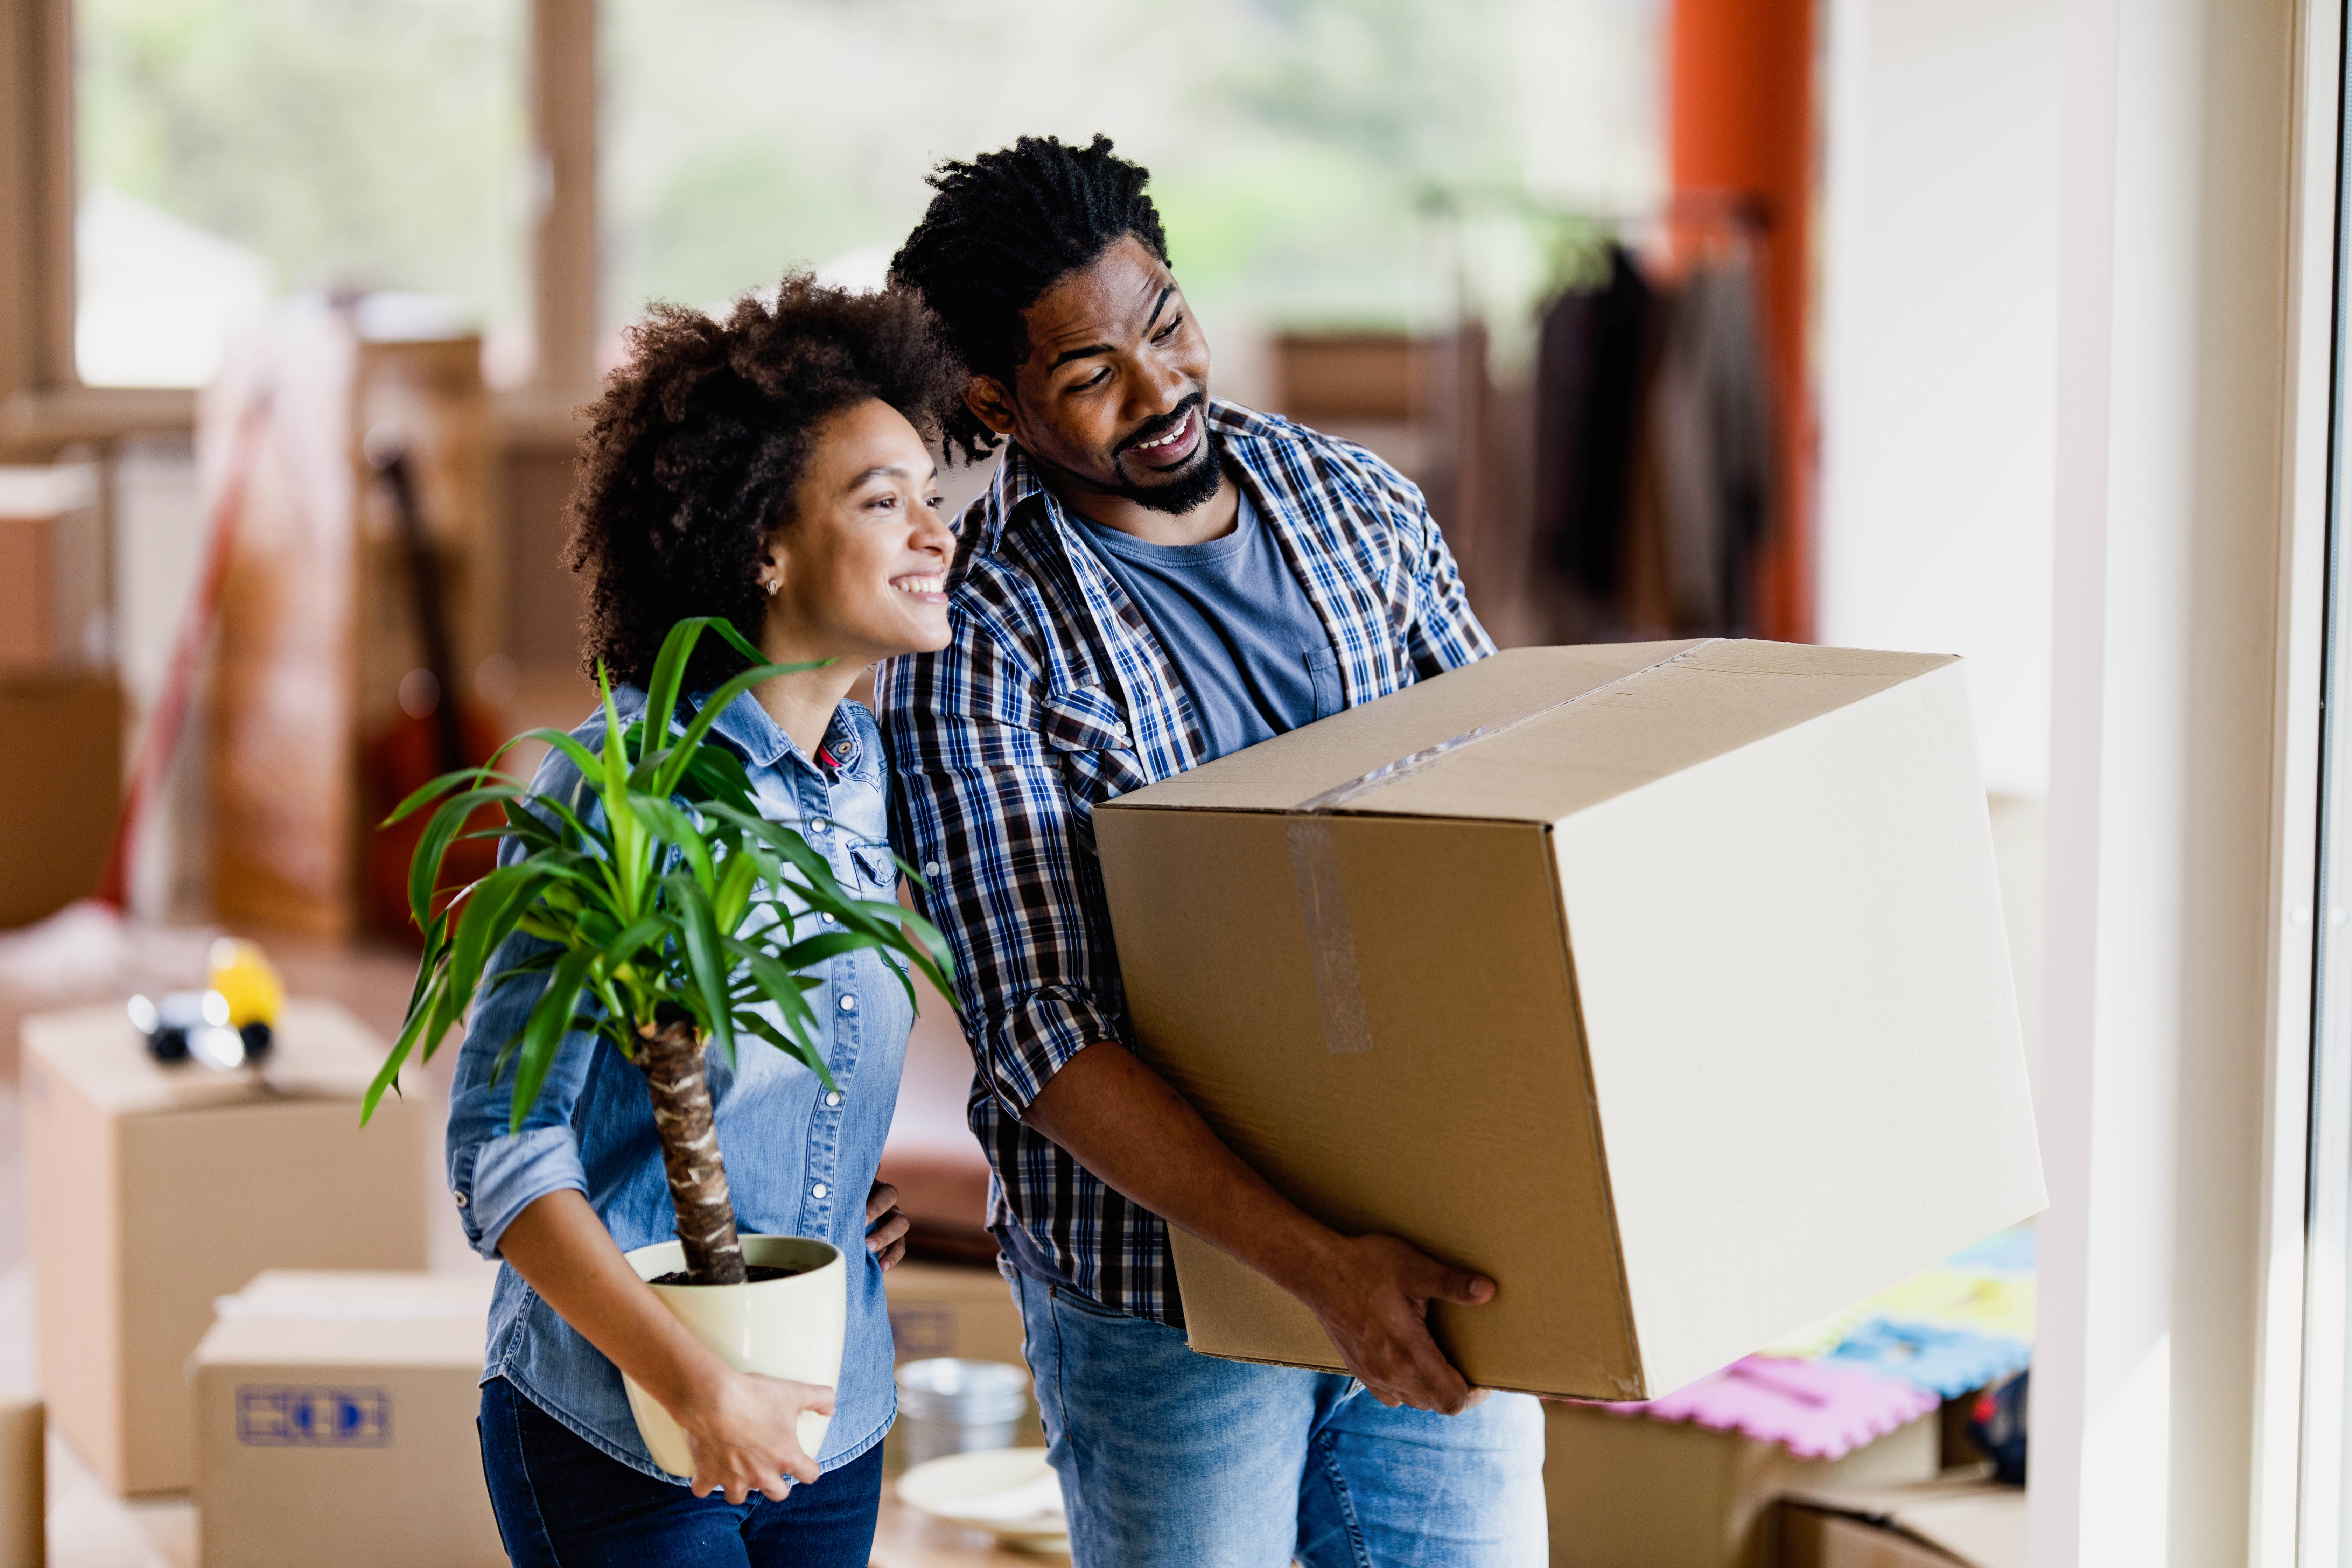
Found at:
[1237, 625]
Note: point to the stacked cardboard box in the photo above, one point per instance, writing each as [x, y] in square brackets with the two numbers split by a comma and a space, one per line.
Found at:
[938, 1310]
[152, 1189]
[335, 1423]
[1953, 1522]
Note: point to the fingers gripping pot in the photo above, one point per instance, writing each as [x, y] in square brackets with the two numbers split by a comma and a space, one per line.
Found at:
[791, 1328]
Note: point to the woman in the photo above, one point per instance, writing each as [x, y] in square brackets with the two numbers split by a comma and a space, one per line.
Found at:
[771, 468]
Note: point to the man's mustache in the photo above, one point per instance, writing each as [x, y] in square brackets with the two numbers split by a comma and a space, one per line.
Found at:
[1153, 428]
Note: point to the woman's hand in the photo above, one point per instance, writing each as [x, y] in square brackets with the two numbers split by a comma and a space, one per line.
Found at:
[886, 1226]
[745, 1433]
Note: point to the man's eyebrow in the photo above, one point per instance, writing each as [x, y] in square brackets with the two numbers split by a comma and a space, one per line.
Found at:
[1157, 306]
[1067, 355]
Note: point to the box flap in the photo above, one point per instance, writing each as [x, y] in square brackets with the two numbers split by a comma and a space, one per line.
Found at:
[1980, 1523]
[308, 1318]
[1277, 775]
[1540, 734]
[320, 1052]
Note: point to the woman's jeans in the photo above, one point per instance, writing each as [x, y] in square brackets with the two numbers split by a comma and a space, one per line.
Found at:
[1171, 1458]
[562, 1502]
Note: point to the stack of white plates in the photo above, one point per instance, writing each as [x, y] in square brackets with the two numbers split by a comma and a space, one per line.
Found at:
[1010, 1493]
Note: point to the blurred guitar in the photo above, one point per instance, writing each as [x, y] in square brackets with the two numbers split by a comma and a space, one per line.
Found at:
[434, 730]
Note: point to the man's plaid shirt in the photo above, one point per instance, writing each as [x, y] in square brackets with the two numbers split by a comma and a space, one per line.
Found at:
[1054, 695]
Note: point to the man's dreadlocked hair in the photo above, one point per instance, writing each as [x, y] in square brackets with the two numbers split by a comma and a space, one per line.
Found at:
[695, 446]
[1003, 229]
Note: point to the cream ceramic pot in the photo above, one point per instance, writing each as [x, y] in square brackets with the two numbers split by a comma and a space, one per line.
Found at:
[789, 1328]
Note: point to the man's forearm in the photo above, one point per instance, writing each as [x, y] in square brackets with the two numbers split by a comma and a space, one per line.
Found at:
[1124, 1122]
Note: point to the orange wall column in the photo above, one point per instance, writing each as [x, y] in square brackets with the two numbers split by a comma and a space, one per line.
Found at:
[1741, 118]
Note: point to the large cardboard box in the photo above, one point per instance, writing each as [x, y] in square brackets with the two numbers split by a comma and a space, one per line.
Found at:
[60, 811]
[1665, 984]
[52, 570]
[335, 1423]
[1811, 1539]
[1626, 1492]
[940, 1310]
[152, 1190]
[1956, 1518]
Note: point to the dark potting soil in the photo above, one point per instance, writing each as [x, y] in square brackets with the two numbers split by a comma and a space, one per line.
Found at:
[752, 1274]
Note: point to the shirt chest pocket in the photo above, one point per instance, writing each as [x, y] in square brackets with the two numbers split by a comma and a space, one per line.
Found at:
[876, 869]
[1323, 670]
[1082, 719]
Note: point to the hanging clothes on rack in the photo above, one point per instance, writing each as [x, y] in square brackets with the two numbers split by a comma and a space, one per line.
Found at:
[1591, 365]
[1711, 447]
[1653, 454]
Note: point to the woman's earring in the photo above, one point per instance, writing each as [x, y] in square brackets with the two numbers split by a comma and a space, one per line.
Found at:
[775, 584]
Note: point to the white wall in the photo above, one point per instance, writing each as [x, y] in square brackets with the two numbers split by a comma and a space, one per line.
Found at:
[1938, 370]
[2181, 436]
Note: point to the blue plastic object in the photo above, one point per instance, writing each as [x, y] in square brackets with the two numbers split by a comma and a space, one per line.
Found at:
[1950, 1362]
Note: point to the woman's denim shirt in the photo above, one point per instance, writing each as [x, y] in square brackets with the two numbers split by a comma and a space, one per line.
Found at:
[799, 1160]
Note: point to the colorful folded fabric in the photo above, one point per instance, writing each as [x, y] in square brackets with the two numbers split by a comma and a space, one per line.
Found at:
[1953, 1298]
[1816, 1339]
[1816, 1410]
[1947, 1362]
[2007, 1251]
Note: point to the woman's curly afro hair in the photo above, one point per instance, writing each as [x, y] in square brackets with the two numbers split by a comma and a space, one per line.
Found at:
[695, 446]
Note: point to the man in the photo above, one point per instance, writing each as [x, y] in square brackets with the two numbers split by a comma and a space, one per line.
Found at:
[1155, 579]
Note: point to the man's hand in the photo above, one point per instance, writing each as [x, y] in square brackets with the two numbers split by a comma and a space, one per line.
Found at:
[1125, 1124]
[1372, 1295]
[886, 1224]
[745, 1434]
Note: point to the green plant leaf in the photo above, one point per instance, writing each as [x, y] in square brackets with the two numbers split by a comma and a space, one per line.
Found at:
[543, 1032]
[491, 910]
[424, 868]
[665, 783]
[707, 958]
[798, 1049]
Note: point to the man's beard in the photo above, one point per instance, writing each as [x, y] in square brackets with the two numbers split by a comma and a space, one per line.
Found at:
[1192, 484]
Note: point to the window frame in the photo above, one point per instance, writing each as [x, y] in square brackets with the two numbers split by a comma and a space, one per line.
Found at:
[45, 408]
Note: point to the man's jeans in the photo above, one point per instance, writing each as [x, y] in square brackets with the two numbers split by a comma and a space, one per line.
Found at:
[1169, 1457]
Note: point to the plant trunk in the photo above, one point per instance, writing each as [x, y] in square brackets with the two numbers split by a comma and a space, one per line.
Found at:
[671, 1059]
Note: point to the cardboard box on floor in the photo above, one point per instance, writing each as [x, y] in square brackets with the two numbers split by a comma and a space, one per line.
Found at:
[1624, 1492]
[61, 812]
[1664, 984]
[150, 1190]
[335, 1423]
[938, 1309]
[1955, 1520]
[951, 1309]
[24, 1484]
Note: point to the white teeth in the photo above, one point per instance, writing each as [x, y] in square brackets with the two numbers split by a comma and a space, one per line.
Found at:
[1164, 440]
[919, 584]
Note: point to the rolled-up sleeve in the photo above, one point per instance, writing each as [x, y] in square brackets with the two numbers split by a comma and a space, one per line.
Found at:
[1444, 632]
[496, 1173]
[980, 803]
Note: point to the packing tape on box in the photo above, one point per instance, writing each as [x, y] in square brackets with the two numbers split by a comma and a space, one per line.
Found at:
[1315, 862]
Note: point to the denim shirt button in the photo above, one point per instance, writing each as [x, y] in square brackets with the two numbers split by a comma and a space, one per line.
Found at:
[833, 1097]
[459, 1199]
[820, 1190]
[849, 1003]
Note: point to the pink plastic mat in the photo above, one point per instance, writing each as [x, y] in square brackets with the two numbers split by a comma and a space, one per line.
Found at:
[1816, 1410]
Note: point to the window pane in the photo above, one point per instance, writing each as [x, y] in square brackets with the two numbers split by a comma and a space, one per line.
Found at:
[1290, 140]
[231, 150]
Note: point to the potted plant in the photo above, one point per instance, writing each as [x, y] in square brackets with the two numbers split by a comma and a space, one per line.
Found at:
[668, 915]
